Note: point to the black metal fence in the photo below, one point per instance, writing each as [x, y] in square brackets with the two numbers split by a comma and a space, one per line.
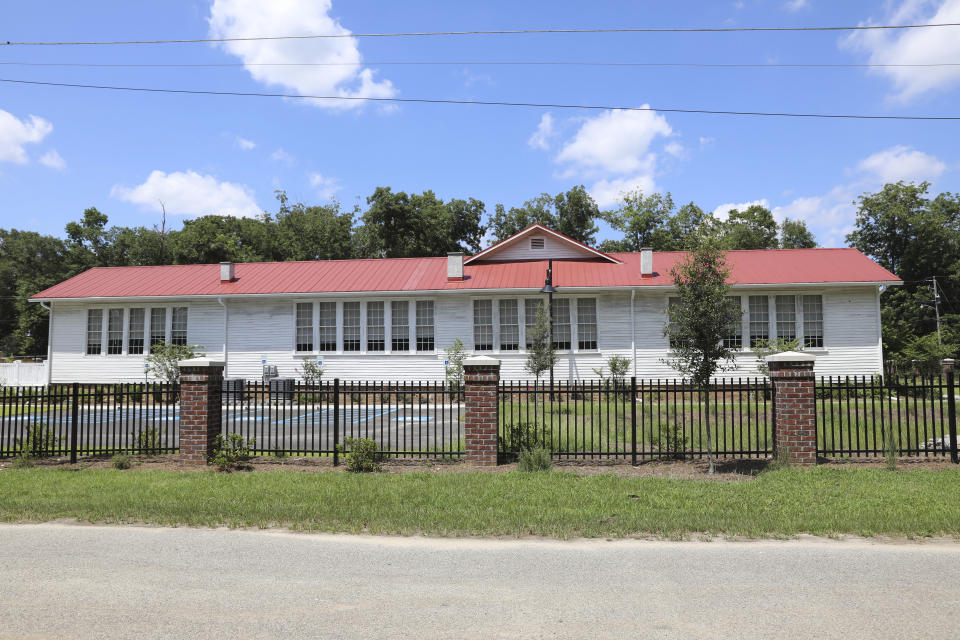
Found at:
[869, 416]
[637, 419]
[405, 419]
[88, 419]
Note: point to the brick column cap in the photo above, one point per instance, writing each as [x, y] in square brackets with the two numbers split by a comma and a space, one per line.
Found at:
[200, 363]
[791, 356]
[481, 361]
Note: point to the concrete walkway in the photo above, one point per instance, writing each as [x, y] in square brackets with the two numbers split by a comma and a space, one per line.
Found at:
[73, 581]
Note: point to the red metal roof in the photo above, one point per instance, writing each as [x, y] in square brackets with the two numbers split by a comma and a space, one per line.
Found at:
[773, 267]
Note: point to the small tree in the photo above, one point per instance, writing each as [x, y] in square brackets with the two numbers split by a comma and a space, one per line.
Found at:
[619, 367]
[764, 348]
[456, 354]
[541, 355]
[699, 317]
[311, 372]
[162, 363]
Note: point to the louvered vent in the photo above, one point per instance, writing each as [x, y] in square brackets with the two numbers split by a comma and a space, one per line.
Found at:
[536, 243]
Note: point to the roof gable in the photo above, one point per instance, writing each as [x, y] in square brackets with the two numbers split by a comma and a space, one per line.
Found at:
[538, 242]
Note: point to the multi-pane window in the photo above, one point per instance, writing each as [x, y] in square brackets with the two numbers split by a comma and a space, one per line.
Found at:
[734, 336]
[671, 304]
[786, 307]
[812, 321]
[135, 332]
[425, 325]
[375, 334]
[483, 325]
[509, 325]
[586, 323]
[304, 326]
[94, 329]
[115, 332]
[178, 326]
[327, 329]
[400, 325]
[158, 326]
[561, 324]
[759, 320]
[531, 307]
[351, 326]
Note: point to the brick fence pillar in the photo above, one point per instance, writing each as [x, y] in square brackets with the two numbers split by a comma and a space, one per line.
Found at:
[795, 420]
[481, 377]
[200, 383]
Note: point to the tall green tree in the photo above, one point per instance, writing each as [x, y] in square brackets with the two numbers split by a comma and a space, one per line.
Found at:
[752, 228]
[795, 235]
[642, 220]
[505, 223]
[576, 211]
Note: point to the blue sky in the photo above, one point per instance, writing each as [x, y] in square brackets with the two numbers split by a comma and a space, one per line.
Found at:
[62, 150]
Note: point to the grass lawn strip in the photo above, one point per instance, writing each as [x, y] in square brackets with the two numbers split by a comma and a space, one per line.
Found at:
[826, 502]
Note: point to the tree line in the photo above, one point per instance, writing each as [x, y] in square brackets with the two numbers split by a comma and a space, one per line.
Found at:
[899, 226]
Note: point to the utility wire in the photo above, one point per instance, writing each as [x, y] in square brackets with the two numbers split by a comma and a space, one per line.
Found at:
[498, 32]
[731, 65]
[498, 103]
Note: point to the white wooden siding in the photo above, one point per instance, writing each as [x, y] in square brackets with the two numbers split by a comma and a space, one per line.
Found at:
[263, 328]
[552, 248]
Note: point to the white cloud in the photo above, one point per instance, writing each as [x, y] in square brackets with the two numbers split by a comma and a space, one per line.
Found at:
[913, 47]
[723, 211]
[14, 133]
[244, 144]
[676, 149]
[615, 141]
[796, 5]
[540, 139]
[609, 192]
[283, 157]
[251, 18]
[903, 163]
[706, 141]
[326, 187]
[189, 193]
[53, 160]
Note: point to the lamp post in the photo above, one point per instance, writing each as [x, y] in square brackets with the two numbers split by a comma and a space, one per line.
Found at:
[549, 289]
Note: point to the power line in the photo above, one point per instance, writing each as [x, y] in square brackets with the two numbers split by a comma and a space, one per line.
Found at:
[478, 102]
[499, 32]
[561, 63]
[496, 103]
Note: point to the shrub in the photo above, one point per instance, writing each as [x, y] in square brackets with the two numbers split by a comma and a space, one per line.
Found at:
[120, 461]
[163, 359]
[673, 441]
[39, 442]
[147, 440]
[311, 372]
[361, 455]
[764, 348]
[536, 459]
[523, 437]
[229, 451]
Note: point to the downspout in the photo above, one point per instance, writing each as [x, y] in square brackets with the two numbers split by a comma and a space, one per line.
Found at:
[225, 318]
[633, 332]
[49, 308]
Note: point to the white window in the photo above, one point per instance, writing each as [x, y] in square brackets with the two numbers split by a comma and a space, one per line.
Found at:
[509, 325]
[375, 334]
[178, 327]
[759, 309]
[786, 317]
[586, 324]
[531, 307]
[561, 324]
[304, 326]
[483, 325]
[327, 319]
[734, 337]
[671, 304]
[94, 331]
[400, 325]
[351, 326]
[813, 322]
[425, 325]
[115, 332]
[158, 326]
[135, 325]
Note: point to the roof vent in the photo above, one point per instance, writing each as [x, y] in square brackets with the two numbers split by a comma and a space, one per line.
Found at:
[537, 243]
[646, 262]
[226, 272]
[455, 265]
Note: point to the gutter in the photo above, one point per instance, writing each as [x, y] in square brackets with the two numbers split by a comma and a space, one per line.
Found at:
[225, 333]
[49, 308]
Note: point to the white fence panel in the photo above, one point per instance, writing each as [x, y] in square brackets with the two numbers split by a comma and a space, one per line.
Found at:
[23, 374]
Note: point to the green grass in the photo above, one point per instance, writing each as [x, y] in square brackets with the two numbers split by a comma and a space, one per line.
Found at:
[557, 504]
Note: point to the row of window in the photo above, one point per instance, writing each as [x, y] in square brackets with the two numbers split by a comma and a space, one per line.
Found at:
[322, 334]
[499, 325]
[794, 318]
[138, 330]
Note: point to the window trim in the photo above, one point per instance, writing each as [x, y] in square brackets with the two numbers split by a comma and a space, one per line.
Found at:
[148, 327]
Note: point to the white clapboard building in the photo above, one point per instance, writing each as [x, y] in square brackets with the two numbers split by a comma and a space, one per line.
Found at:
[391, 319]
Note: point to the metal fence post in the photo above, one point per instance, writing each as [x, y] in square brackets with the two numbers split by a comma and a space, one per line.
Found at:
[74, 421]
[952, 415]
[633, 420]
[336, 420]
